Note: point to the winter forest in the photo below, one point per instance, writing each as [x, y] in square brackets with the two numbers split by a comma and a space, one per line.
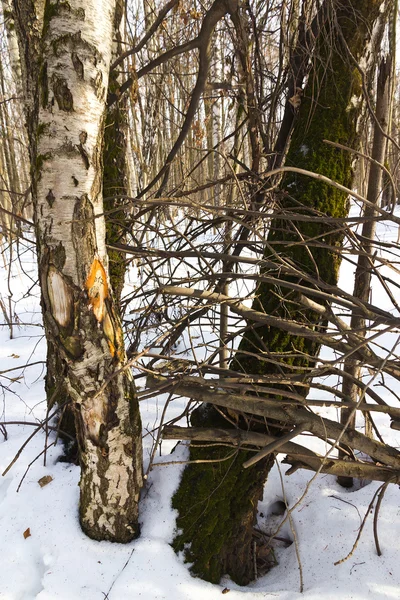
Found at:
[200, 300]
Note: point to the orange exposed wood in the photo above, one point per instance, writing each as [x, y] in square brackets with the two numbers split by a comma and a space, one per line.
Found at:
[97, 288]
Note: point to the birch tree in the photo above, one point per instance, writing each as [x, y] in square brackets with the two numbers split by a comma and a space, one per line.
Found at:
[66, 53]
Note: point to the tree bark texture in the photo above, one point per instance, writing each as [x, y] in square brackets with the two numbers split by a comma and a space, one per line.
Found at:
[365, 263]
[70, 58]
[217, 502]
[115, 176]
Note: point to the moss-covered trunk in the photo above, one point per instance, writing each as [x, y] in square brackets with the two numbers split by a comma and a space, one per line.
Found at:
[115, 153]
[217, 502]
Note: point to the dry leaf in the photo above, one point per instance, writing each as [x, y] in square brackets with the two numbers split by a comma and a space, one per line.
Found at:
[27, 533]
[226, 590]
[45, 480]
[14, 355]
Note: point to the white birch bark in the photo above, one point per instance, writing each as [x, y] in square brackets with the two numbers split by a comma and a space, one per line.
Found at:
[12, 43]
[81, 321]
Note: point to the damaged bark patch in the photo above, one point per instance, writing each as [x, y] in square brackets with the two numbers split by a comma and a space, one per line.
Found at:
[44, 85]
[82, 150]
[50, 198]
[98, 86]
[78, 65]
[84, 155]
[94, 417]
[108, 328]
[97, 289]
[61, 298]
[72, 346]
[62, 93]
[83, 228]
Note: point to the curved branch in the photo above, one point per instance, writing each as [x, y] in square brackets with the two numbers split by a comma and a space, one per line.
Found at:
[202, 42]
[152, 29]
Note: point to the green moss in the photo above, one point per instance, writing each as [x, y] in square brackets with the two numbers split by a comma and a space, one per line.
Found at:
[115, 184]
[216, 515]
[328, 111]
[73, 346]
[42, 129]
[40, 160]
[9, 20]
[217, 502]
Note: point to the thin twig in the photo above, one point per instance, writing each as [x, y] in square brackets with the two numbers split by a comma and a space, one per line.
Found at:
[376, 515]
[370, 506]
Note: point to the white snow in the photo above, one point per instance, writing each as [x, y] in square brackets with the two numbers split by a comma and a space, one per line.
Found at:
[57, 561]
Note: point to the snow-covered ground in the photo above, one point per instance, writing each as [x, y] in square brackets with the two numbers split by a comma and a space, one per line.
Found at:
[45, 556]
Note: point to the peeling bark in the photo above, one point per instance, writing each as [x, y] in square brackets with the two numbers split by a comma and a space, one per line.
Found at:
[70, 56]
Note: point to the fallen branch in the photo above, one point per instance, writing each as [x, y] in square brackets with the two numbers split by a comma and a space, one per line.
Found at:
[363, 352]
[297, 456]
[284, 413]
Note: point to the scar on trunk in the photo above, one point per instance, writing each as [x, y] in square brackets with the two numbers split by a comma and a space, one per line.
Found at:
[97, 289]
[98, 292]
[94, 416]
[61, 297]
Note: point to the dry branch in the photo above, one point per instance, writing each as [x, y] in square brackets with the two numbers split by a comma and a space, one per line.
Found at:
[361, 350]
[297, 455]
[284, 413]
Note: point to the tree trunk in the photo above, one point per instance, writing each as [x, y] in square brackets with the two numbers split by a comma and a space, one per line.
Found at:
[115, 177]
[365, 263]
[66, 65]
[115, 184]
[217, 502]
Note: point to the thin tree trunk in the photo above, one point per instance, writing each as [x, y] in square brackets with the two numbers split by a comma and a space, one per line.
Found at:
[12, 43]
[365, 263]
[66, 67]
[115, 155]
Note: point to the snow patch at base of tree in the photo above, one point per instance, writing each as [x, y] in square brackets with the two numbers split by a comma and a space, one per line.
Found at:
[57, 561]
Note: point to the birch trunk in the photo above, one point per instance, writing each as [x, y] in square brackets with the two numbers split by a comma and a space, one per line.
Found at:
[66, 65]
[12, 43]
